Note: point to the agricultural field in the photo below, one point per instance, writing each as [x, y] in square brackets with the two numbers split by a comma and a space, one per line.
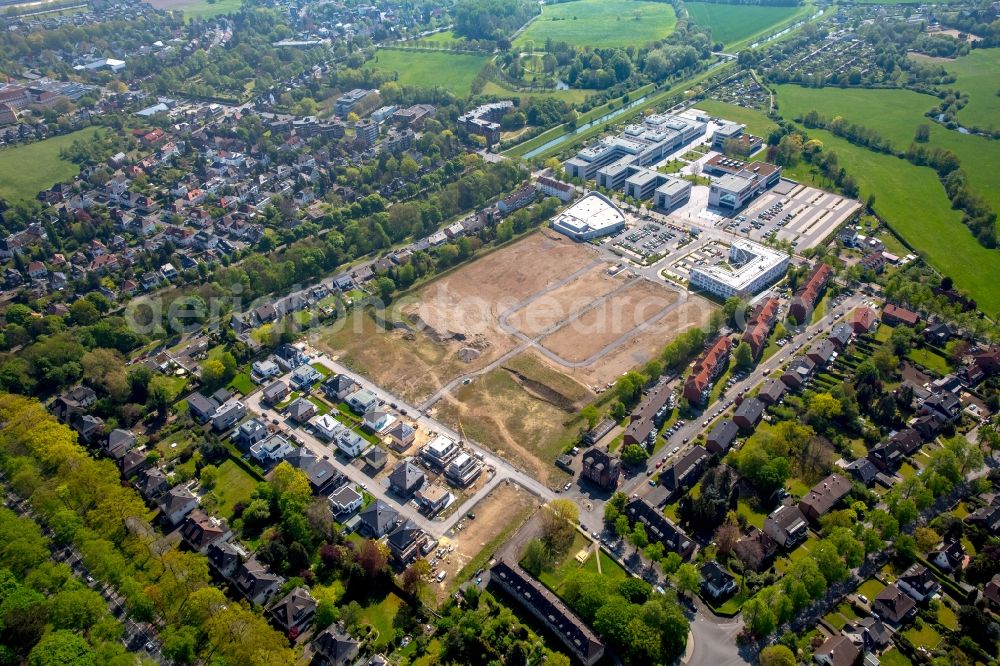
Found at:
[601, 23]
[28, 169]
[912, 200]
[430, 69]
[977, 75]
[734, 23]
[199, 9]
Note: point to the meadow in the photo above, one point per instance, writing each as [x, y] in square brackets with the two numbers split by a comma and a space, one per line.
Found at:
[570, 96]
[430, 69]
[601, 23]
[978, 74]
[28, 169]
[895, 114]
[199, 9]
[734, 23]
[756, 122]
[913, 201]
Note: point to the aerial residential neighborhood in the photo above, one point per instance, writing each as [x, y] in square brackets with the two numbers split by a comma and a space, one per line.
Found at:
[499, 332]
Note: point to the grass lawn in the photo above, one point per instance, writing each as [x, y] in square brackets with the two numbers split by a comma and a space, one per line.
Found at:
[321, 369]
[893, 657]
[977, 75]
[907, 471]
[930, 360]
[243, 383]
[883, 333]
[553, 578]
[445, 39]
[234, 485]
[797, 487]
[927, 637]
[840, 616]
[381, 616]
[754, 518]
[609, 568]
[756, 121]
[733, 23]
[28, 169]
[870, 588]
[601, 23]
[947, 617]
[431, 69]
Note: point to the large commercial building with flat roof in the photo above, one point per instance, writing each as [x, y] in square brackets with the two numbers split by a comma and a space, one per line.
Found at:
[592, 216]
[641, 144]
[752, 268]
[739, 182]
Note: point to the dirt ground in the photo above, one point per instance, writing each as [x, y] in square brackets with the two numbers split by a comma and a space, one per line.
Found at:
[602, 325]
[644, 347]
[519, 425]
[562, 302]
[494, 514]
[470, 300]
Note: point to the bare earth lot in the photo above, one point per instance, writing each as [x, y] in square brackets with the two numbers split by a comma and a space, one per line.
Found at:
[498, 308]
[565, 301]
[507, 504]
[609, 320]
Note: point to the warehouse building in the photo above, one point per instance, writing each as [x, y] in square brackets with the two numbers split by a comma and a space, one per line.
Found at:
[752, 268]
[591, 217]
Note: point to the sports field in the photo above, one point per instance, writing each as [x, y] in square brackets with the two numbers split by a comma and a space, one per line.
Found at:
[201, 9]
[978, 74]
[601, 23]
[734, 23]
[28, 169]
[431, 69]
[895, 114]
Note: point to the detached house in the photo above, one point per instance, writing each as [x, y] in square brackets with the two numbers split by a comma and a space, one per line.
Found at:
[294, 613]
[177, 503]
[256, 582]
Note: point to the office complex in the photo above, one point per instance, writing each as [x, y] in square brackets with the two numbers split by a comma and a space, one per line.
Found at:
[751, 268]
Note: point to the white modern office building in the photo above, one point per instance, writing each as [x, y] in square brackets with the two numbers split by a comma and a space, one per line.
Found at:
[592, 216]
[751, 269]
[641, 144]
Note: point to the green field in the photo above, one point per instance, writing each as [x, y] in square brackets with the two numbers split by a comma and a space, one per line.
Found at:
[571, 96]
[895, 115]
[431, 69]
[756, 121]
[234, 485]
[977, 75]
[910, 198]
[442, 40]
[28, 169]
[199, 9]
[734, 23]
[601, 23]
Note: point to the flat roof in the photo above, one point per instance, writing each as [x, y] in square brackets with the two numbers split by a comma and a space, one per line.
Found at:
[756, 259]
[594, 211]
[674, 186]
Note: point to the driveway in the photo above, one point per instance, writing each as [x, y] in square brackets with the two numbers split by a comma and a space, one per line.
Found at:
[712, 640]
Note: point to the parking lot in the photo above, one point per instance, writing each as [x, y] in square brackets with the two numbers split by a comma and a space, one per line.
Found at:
[651, 239]
[801, 215]
[706, 254]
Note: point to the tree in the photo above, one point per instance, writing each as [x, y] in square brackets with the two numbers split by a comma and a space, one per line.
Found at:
[743, 356]
[217, 372]
[559, 525]
[688, 579]
[590, 415]
[633, 454]
[758, 617]
[726, 537]
[84, 312]
[926, 538]
[415, 576]
[19, 314]
[777, 655]
[639, 537]
[622, 528]
[373, 558]
[536, 557]
[209, 476]
[62, 648]
[922, 133]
